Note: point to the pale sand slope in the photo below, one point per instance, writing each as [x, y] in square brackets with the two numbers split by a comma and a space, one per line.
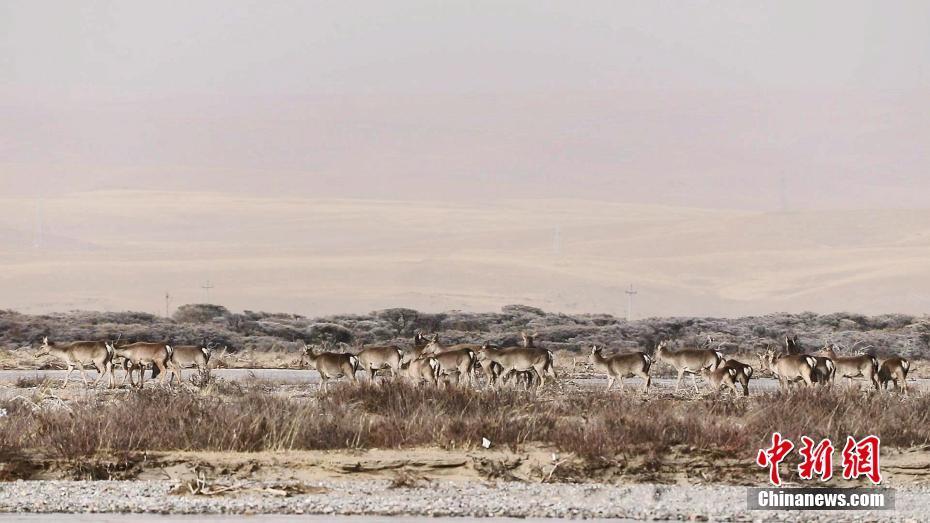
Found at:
[123, 250]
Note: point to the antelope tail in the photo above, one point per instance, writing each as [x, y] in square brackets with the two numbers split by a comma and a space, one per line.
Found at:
[905, 365]
[811, 361]
[169, 350]
[353, 361]
[748, 371]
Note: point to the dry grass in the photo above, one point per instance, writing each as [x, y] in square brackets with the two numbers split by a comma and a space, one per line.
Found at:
[397, 415]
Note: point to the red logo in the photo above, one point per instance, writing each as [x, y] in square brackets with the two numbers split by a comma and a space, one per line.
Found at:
[774, 455]
[817, 460]
[860, 458]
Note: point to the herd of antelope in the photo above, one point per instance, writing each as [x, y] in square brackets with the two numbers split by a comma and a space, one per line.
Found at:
[432, 362]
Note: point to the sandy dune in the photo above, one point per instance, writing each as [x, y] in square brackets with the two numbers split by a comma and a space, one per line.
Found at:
[123, 250]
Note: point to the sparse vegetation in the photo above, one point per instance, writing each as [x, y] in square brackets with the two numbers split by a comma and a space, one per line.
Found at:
[240, 335]
[398, 415]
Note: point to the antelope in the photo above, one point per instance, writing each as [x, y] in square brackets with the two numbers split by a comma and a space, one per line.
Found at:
[520, 359]
[138, 355]
[824, 372]
[620, 365]
[460, 361]
[186, 356]
[894, 370]
[331, 365]
[789, 367]
[864, 365]
[743, 373]
[375, 358]
[425, 368]
[77, 353]
[722, 376]
[690, 361]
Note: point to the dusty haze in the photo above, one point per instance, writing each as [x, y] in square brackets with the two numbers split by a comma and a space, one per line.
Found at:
[316, 157]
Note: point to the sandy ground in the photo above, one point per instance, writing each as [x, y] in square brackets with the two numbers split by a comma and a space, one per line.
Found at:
[124, 250]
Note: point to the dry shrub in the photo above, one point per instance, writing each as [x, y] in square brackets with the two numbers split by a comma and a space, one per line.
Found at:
[397, 415]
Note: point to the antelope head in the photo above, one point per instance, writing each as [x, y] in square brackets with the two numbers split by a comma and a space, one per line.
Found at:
[528, 338]
[307, 355]
[44, 348]
[661, 348]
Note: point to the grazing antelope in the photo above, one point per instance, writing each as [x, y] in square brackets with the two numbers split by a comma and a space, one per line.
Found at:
[863, 365]
[76, 354]
[331, 365]
[426, 368]
[894, 370]
[375, 358]
[520, 359]
[458, 359]
[789, 368]
[620, 365]
[722, 376]
[183, 356]
[743, 373]
[690, 361]
[138, 355]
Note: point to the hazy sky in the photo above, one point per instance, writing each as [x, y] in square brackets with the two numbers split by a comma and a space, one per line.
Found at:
[737, 104]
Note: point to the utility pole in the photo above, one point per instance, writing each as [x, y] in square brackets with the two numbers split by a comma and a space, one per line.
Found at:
[167, 304]
[206, 290]
[629, 302]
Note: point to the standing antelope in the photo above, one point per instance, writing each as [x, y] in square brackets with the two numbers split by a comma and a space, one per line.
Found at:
[691, 361]
[457, 359]
[183, 356]
[425, 368]
[76, 354]
[520, 359]
[824, 371]
[331, 365]
[863, 365]
[743, 373]
[789, 368]
[375, 358]
[894, 370]
[138, 355]
[721, 376]
[620, 365]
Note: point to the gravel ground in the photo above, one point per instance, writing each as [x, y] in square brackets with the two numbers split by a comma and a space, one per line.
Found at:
[376, 497]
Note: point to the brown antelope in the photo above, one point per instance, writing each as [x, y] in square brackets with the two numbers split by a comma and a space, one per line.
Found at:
[183, 356]
[789, 368]
[76, 354]
[894, 370]
[138, 355]
[722, 376]
[520, 359]
[743, 373]
[863, 365]
[425, 368]
[690, 361]
[374, 358]
[459, 360]
[331, 365]
[620, 365]
[824, 372]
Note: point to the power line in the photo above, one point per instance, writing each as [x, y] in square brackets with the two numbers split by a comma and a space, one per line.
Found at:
[629, 302]
[206, 290]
